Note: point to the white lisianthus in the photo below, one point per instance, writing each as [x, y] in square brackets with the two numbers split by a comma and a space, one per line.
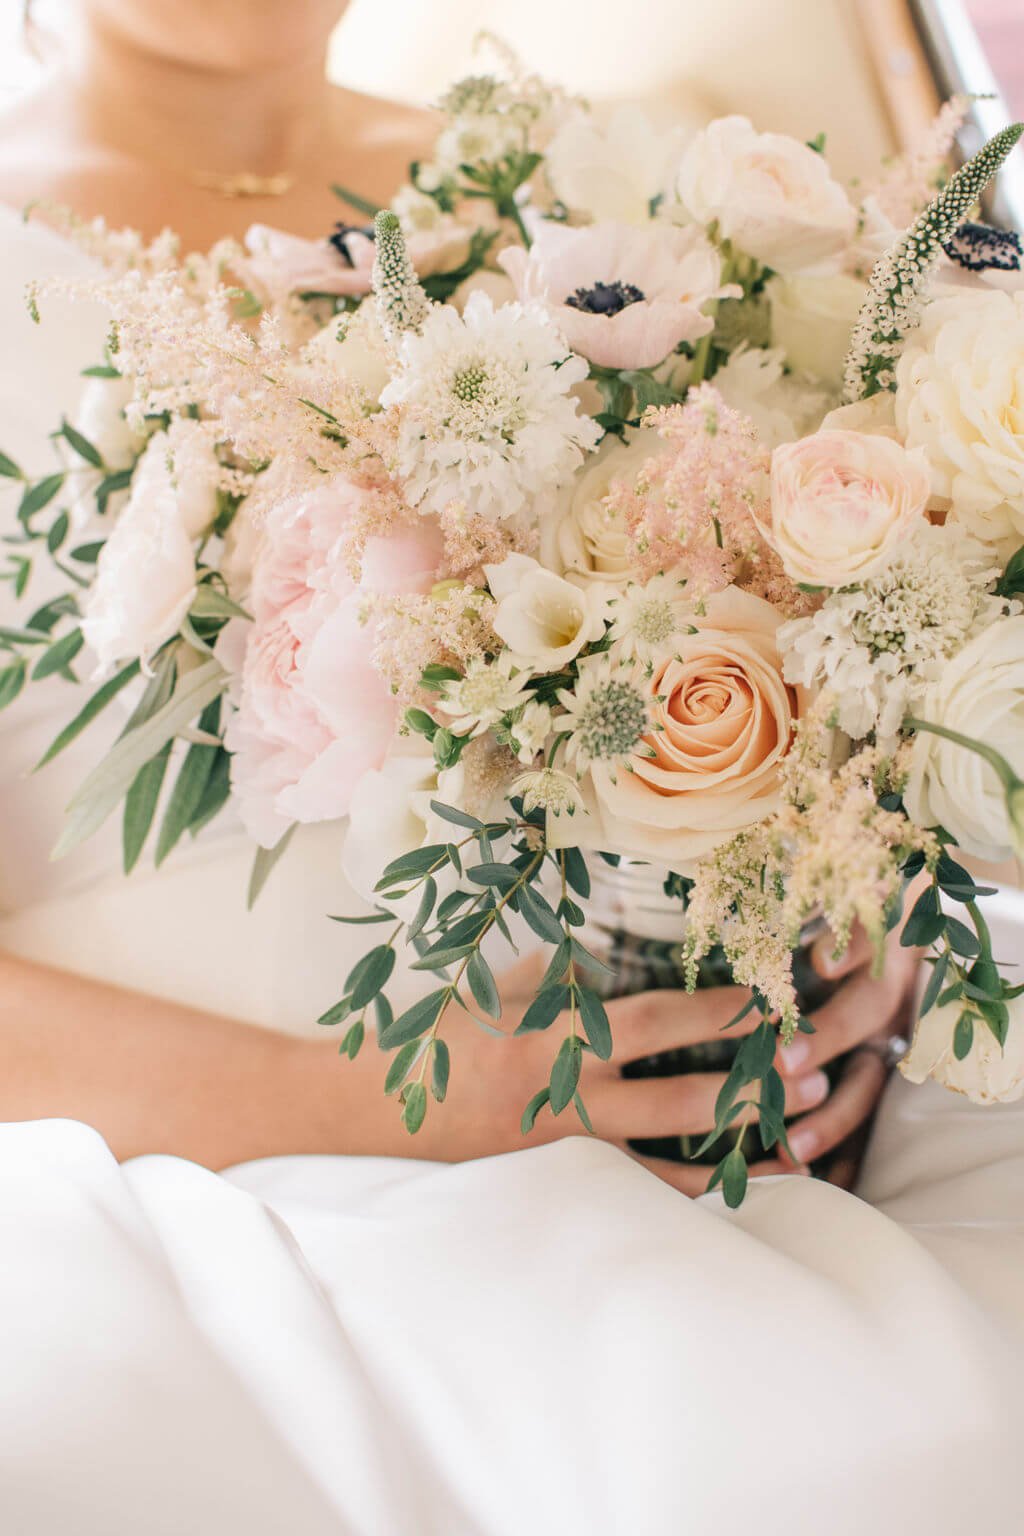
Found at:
[988, 1074]
[146, 576]
[486, 691]
[979, 694]
[772, 196]
[543, 619]
[781, 406]
[841, 503]
[390, 815]
[812, 319]
[583, 537]
[613, 171]
[486, 415]
[101, 419]
[960, 397]
[354, 350]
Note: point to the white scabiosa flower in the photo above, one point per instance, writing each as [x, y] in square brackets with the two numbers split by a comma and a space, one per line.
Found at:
[877, 646]
[606, 715]
[488, 690]
[548, 789]
[486, 414]
[648, 619]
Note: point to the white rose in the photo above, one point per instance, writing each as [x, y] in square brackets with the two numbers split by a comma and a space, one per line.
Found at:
[611, 172]
[582, 537]
[782, 407]
[543, 619]
[772, 196]
[812, 320]
[981, 695]
[354, 351]
[101, 419]
[145, 583]
[960, 397]
[840, 504]
[145, 576]
[988, 1074]
[390, 815]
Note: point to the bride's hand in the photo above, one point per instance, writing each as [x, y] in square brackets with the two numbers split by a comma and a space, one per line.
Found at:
[493, 1079]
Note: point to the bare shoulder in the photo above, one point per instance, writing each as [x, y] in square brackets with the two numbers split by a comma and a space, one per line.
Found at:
[376, 140]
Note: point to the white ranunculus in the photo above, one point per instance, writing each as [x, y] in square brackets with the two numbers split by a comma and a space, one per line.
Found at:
[960, 397]
[100, 418]
[390, 815]
[543, 619]
[812, 320]
[981, 695]
[988, 1074]
[611, 171]
[772, 196]
[582, 537]
[354, 351]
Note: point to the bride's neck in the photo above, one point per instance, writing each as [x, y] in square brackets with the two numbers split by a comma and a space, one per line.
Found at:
[192, 118]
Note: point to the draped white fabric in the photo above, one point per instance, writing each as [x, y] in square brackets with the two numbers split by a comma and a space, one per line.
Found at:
[551, 1341]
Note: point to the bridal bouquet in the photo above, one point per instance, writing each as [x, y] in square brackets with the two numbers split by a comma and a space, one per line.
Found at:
[606, 497]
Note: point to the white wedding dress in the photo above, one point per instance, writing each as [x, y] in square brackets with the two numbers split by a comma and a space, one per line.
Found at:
[551, 1341]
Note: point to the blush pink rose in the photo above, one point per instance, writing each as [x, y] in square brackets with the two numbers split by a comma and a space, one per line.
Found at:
[312, 713]
[841, 502]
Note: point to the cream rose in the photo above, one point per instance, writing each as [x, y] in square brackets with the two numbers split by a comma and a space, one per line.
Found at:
[988, 1074]
[583, 537]
[611, 172]
[841, 502]
[960, 397]
[980, 694]
[772, 196]
[812, 319]
[354, 351]
[726, 722]
[542, 618]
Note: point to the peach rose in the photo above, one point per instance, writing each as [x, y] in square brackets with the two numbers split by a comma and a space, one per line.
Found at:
[726, 722]
[841, 502]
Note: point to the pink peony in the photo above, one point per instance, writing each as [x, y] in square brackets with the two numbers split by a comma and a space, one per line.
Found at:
[623, 296]
[313, 713]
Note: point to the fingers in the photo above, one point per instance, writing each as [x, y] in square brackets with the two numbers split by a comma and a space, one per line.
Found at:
[650, 1022]
[679, 1106]
[851, 1102]
[692, 1179]
[862, 1007]
[831, 966]
[519, 983]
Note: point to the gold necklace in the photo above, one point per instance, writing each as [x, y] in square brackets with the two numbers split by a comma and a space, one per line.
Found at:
[240, 184]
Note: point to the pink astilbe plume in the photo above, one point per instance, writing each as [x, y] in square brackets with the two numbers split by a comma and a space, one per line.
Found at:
[910, 180]
[471, 542]
[692, 507]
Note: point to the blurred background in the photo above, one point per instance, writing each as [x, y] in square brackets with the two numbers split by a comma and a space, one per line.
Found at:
[866, 72]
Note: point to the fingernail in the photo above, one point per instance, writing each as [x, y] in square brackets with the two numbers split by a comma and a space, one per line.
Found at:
[794, 1055]
[803, 1143]
[812, 1088]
